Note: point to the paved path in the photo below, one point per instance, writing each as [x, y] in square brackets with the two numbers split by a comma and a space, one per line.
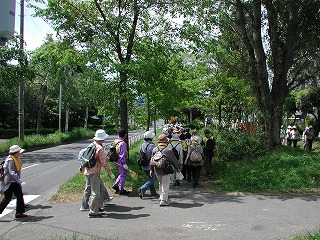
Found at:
[192, 214]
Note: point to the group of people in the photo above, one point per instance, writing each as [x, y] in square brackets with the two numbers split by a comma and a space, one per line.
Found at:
[184, 143]
[179, 146]
[291, 136]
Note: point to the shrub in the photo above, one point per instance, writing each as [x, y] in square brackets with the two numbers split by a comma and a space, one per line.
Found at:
[235, 146]
[196, 124]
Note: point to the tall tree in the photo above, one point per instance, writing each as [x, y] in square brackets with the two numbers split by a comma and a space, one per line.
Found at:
[270, 39]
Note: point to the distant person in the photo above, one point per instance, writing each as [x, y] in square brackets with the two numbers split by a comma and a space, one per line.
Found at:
[288, 135]
[309, 137]
[93, 175]
[177, 149]
[12, 182]
[295, 135]
[187, 167]
[282, 135]
[195, 164]
[147, 147]
[209, 147]
[164, 178]
[122, 153]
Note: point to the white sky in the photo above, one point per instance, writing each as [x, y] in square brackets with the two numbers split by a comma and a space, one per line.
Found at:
[35, 29]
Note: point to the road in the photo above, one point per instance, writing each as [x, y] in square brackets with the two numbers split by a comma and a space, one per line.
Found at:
[192, 214]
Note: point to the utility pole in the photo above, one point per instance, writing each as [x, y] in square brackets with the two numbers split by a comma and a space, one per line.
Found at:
[21, 86]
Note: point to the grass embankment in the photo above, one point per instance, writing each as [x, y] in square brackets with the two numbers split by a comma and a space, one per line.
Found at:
[37, 140]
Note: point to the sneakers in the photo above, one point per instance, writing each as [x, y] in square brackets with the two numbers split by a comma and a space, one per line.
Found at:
[21, 215]
[163, 203]
[116, 187]
[123, 192]
[94, 215]
[82, 209]
[106, 202]
[140, 193]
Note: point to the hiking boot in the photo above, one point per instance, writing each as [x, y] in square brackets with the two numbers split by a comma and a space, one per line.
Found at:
[140, 193]
[123, 192]
[82, 209]
[94, 215]
[116, 187]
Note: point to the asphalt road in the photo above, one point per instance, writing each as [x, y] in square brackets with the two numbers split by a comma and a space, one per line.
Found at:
[192, 214]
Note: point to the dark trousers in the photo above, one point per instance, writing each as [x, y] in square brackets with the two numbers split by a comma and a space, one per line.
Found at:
[14, 188]
[208, 163]
[196, 174]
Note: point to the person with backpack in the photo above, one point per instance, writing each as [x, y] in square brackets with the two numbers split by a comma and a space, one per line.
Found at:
[162, 176]
[87, 189]
[195, 159]
[93, 175]
[209, 146]
[12, 182]
[176, 147]
[121, 165]
[146, 151]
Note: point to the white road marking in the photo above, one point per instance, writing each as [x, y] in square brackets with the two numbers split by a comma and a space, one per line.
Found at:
[12, 205]
[33, 165]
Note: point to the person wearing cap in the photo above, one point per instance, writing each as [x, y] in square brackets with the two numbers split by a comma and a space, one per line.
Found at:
[309, 137]
[288, 136]
[164, 178]
[121, 150]
[93, 175]
[295, 135]
[175, 143]
[12, 182]
[195, 167]
[147, 147]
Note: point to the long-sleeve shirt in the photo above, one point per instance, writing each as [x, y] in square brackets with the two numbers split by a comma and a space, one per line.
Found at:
[11, 174]
[121, 150]
[100, 162]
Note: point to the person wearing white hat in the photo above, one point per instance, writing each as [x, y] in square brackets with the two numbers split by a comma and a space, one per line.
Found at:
[309, 137]
[93, 175]
[147, 147]
[295, 135]
[12, 182]
[288, 135]
[176, 147]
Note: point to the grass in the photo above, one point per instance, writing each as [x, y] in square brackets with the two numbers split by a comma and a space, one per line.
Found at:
[283, 170]
[32, 141]
[307, 236]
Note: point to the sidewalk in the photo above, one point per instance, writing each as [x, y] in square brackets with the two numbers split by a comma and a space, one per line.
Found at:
[192, 214]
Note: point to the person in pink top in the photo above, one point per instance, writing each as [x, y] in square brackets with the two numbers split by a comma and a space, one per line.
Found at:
[97, 186]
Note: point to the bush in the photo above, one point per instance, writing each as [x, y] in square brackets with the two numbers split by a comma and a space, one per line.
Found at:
[235, 146]
[196, 124]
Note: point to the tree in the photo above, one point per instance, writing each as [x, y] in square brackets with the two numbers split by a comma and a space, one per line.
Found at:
[270, 41]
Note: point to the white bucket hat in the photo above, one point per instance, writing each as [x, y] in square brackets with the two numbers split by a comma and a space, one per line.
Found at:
[100, 135]
[148, 134]
[16, 148]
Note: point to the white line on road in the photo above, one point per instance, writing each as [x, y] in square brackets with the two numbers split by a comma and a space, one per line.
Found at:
[33, 165]
[12, 205]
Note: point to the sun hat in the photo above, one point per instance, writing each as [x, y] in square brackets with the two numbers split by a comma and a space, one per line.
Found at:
[294, 127]
[162, 138]
[100, 135]
[175, 137]
[289, 127]
[15, 149]
[195, 139]
[310, 126]
[148, 135]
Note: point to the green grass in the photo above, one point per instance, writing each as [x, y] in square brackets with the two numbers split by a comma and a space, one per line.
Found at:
[282, 170]
[307, 236]
[32, 141]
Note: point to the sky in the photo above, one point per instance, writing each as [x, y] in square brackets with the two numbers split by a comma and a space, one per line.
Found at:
[35, 28]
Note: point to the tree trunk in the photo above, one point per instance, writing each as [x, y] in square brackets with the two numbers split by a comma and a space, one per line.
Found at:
[66, 128]
[43, 99]
[148, 113]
